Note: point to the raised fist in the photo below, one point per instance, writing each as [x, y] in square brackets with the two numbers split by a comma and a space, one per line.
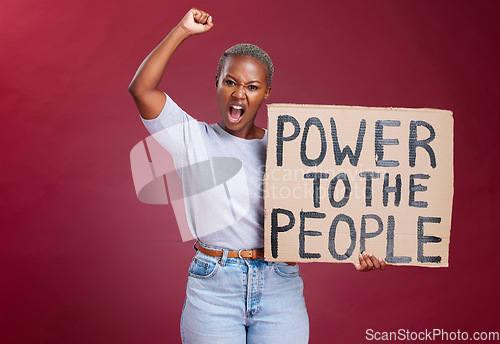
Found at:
[196, 22]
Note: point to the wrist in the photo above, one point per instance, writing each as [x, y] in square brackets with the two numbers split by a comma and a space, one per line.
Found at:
[184, 31]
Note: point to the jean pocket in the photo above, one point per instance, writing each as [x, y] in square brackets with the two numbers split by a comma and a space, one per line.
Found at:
[286, 270]
[203, 269]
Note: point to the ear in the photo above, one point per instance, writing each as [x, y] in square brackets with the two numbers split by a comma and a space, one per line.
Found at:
[268, 92]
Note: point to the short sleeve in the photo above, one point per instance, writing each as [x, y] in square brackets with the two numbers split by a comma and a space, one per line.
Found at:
[176, 131]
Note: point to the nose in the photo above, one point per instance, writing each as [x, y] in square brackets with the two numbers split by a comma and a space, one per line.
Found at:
[239, 92]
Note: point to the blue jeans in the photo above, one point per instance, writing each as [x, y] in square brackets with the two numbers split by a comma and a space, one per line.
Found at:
[236, 301]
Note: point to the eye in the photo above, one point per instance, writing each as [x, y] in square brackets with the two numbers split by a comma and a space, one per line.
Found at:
[253, 88]
[229, 82]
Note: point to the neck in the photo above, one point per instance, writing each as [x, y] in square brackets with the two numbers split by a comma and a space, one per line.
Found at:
[249, 133]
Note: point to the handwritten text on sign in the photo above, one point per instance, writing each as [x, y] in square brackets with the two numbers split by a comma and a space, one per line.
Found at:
[341, 180]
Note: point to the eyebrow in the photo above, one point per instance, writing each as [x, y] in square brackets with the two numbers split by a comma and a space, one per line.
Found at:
[251, 82]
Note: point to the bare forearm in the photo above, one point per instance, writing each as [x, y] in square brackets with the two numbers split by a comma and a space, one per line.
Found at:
[144, 85]
[150, 72]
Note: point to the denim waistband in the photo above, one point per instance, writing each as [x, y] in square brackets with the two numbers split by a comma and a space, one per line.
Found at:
[224, 259]
[220, 248]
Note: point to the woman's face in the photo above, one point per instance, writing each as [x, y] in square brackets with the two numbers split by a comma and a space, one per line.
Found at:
[241, 90]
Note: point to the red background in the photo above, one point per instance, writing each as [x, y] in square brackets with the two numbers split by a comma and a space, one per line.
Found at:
[83, 261]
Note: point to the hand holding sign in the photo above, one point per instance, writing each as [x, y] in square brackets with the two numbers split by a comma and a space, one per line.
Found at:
[368, 262]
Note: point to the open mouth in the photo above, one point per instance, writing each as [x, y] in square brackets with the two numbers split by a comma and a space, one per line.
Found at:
[235, 113]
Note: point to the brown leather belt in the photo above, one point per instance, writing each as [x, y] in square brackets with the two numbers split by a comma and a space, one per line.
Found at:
[248, 254]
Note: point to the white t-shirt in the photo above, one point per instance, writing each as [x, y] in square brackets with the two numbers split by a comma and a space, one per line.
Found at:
[222, 177]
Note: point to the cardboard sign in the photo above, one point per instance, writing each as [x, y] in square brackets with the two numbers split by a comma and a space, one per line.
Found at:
[341, 180]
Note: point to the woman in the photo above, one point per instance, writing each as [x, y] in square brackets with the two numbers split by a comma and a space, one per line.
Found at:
[232, 295]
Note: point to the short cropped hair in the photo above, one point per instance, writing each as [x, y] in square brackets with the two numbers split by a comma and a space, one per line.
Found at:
[251, 50]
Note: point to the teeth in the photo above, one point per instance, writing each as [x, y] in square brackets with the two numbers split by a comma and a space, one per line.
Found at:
[237, 107]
